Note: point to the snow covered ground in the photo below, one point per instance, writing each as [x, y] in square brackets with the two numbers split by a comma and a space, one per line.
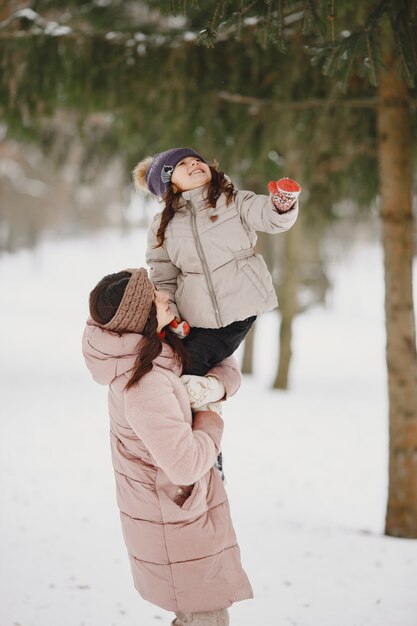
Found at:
[306, 469]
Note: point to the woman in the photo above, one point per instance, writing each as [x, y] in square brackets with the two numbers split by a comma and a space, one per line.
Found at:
[174, 509]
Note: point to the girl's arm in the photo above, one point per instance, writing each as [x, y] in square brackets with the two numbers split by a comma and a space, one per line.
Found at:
[162, 272]
[258, 212]
[183, 452]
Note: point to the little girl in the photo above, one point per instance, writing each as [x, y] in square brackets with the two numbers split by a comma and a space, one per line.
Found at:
[201, 250]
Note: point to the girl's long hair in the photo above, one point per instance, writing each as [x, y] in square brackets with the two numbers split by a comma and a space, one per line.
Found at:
[172, 199]
[104, 302]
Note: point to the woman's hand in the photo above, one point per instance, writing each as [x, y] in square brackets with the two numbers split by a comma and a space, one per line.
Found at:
[216, 407]
[203, 389]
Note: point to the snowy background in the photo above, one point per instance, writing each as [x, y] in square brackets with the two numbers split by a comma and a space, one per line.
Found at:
[306, 469]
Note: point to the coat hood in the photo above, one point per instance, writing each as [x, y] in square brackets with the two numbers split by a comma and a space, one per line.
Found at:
[109, 355]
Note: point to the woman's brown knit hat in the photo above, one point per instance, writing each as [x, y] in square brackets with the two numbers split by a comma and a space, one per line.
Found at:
[135, 306]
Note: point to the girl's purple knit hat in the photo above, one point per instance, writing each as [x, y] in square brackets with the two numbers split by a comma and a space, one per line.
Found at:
[162, 165]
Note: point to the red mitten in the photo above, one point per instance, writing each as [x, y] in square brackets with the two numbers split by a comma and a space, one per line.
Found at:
[284, 193]
[180, 328]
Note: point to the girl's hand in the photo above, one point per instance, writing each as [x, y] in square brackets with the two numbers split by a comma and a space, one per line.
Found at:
[284, 193]
[202, 389]
[180, 328]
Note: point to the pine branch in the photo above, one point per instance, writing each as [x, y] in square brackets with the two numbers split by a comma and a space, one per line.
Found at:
[321, 25]
[214, 16]
[373, 77]
[257, 103]
[404, 24]
[330, 18]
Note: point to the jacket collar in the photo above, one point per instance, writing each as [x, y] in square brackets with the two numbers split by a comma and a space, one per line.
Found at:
[196, 197]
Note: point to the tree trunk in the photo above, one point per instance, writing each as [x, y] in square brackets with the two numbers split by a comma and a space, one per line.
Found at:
[6, 9]
[394, 155]
[287, 305]
[247, 363]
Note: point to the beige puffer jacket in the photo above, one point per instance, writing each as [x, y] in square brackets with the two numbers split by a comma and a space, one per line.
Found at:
[207, 262]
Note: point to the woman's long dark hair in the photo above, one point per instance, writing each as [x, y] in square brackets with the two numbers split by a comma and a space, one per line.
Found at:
[218, 184]
[104, 302]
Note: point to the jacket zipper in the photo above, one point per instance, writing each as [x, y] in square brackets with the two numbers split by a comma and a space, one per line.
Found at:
[203, 260]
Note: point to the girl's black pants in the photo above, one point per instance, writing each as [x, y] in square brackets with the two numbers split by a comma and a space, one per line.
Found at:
[208, 346]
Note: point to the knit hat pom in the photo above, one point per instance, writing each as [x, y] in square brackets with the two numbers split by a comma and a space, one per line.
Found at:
[139, 174]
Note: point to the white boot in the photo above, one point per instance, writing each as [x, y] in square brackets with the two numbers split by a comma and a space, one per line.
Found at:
[205, 618]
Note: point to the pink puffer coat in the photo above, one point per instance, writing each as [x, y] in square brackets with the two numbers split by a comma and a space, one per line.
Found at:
[183, 558]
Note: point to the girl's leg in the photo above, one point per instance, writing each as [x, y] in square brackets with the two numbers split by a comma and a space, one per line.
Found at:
[208, 346]
[206, 618]
[202, 351]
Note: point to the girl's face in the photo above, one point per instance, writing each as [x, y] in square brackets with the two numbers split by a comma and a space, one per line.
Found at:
[190, 173]
[164, 314]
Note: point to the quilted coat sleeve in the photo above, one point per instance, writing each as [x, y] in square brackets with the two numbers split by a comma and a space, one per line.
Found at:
[229, 373]
[183, 452]
[162, 272]
[258, 212]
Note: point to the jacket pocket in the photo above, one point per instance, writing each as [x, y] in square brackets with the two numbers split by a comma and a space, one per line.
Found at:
[255, 279]
[194, 499]
[183, 493]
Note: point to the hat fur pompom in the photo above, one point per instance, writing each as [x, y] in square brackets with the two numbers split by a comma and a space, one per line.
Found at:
[139, 174]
